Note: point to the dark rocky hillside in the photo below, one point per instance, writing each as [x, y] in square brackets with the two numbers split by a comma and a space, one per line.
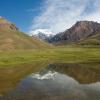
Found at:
[81, 31]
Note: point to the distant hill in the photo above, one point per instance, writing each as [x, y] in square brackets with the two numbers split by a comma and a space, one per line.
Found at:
[11, 38]
[83, 32]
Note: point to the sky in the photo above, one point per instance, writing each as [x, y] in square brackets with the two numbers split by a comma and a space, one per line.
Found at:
[53, 15]
[20, 12]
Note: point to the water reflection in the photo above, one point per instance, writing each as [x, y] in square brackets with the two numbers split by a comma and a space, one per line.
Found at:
[10, 76]
[83, 75]
[59, 82]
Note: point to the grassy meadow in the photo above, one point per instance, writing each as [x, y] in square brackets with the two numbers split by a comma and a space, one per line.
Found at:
[81, 55]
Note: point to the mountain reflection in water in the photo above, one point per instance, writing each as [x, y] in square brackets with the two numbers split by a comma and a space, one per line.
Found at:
[59, 82]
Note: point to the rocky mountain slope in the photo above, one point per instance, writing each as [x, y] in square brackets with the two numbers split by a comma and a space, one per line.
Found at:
[11, 38]
[79, 33]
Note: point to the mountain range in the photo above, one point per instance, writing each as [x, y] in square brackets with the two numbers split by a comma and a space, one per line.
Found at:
[81, 33]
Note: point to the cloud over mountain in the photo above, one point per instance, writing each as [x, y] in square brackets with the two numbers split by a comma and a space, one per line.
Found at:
[58, 15]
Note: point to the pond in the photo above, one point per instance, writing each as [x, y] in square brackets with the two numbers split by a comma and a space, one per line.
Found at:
[57, 82]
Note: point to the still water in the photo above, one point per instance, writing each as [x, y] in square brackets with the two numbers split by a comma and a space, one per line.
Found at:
[58, 82]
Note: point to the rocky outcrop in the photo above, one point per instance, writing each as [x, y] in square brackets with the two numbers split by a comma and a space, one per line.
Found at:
[6, 24]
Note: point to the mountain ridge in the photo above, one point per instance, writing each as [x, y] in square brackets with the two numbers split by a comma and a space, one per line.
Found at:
[78, 32]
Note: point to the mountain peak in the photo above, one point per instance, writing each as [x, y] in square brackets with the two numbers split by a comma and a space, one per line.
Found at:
[81, 23]
[84, 27]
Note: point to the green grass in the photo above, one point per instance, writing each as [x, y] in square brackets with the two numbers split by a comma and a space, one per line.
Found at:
[92, 40]
[58, 54]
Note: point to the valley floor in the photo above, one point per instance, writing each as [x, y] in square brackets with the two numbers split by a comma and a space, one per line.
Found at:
[86, 56]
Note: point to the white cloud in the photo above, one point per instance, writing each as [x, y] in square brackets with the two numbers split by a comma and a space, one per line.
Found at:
[59, 15]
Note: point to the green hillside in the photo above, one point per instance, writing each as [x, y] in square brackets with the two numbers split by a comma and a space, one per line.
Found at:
[12, 39]
[93, 40]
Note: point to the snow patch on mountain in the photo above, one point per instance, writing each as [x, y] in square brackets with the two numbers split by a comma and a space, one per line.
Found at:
[43, 34]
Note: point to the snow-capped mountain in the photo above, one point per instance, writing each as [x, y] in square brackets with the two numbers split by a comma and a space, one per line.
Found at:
[42, 33]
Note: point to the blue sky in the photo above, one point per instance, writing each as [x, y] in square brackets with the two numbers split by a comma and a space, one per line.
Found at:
[54, 15]
[20, 12]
